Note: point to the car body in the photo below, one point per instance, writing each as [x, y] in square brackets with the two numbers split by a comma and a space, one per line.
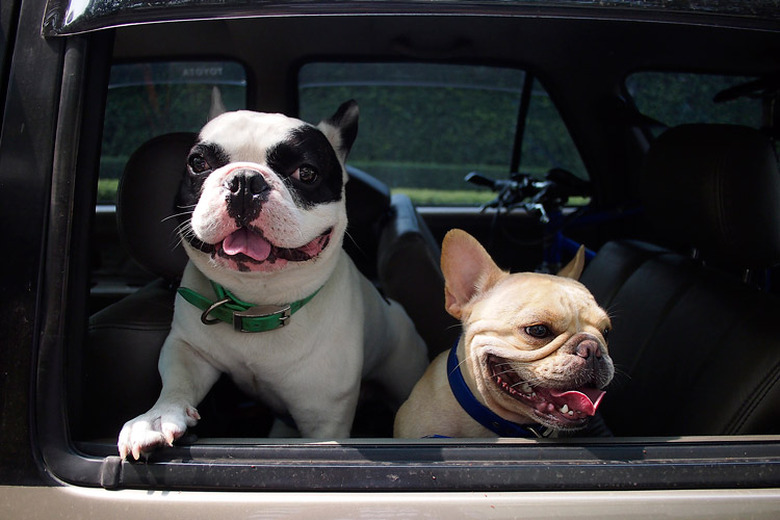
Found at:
[65, 261]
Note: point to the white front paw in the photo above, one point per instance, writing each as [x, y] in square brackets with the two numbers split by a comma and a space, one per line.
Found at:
[159, 426]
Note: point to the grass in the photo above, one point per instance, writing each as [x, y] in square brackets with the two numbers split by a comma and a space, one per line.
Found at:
[438, 177]
[432, 197]
[420, 196]
[107, 190]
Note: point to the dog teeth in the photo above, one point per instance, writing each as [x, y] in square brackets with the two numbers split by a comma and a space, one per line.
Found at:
[526, 388]
[565, 409]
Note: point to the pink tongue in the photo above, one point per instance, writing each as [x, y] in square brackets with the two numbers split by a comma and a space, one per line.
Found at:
[586, 400]
[250, 244]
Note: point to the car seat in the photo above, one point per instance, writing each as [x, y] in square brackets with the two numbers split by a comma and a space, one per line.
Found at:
[696, 347]
[409, 272]
[120, 378]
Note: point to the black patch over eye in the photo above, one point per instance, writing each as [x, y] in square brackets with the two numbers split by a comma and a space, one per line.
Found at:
[307, 159]
[538, 331]
[306, 174]
[198, 163]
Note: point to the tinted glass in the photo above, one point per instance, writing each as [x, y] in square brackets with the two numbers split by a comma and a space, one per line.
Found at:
[423, 127]
[150, 99]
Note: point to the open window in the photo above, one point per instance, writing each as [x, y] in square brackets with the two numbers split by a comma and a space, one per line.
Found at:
[677, 98]
[229, 450]
[425, 126]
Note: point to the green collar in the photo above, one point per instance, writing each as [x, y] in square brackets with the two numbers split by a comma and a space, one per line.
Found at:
[245, 317]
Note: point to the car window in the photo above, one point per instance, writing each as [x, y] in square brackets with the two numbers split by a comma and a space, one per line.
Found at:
[423, 127]
[99, 373]
[676, 98]
[150, 99]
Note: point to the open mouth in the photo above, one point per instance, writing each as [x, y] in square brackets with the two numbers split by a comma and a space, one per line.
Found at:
[567, 408]
[246, 245]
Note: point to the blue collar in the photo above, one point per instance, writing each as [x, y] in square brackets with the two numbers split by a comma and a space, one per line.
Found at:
[479, 412]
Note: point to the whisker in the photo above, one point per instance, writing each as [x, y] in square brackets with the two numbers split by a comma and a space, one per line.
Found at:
[184, 226]
[461, 363]
[506, 372]
[176, 215]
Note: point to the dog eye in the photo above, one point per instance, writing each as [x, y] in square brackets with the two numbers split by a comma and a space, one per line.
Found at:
[605, 333]
[538, 331]
[198, 163]
[306, 174]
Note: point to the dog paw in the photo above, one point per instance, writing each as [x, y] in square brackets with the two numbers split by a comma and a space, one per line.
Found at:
[159, 426]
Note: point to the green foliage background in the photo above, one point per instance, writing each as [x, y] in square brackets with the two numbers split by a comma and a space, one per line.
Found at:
[422, 127]
[680, 98]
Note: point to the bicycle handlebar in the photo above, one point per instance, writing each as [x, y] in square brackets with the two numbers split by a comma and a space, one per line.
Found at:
[539, 197]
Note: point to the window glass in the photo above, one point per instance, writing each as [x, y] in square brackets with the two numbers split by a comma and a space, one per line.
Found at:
[423, 127]
[546, 141]
[150, 99]
[676, 98]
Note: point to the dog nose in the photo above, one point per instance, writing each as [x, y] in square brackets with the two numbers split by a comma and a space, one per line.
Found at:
[247, 191]
[247, 182]
[588, 348]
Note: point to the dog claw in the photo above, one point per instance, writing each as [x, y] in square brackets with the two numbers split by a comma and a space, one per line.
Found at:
[142, 435]
[193, 413]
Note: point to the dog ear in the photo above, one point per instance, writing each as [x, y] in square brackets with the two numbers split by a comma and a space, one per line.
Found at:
[575, 267]
[341, 128]
[468, 270]
[217, 105]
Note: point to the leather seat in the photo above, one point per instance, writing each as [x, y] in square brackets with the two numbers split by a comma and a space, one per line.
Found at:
[697, 349]
[120, 377]
[410, 273]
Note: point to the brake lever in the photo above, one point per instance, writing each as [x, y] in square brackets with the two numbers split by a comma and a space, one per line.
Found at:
[530, 207]
[492, 204]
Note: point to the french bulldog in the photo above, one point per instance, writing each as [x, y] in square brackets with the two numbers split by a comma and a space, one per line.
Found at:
[532, 359]
[268, 295]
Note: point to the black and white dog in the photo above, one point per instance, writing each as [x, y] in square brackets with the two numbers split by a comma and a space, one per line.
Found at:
[269, 295]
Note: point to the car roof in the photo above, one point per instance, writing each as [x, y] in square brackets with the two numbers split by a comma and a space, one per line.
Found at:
[64, 17]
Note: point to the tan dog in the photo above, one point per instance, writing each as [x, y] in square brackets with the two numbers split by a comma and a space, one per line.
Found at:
[533, 352]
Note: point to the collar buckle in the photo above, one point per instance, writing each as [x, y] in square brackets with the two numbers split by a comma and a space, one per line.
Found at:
[242, 320]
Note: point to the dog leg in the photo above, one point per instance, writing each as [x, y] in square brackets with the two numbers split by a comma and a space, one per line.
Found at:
[281, 430]
[332, 421]
[323, 398]
[186, 377]
[329, 409]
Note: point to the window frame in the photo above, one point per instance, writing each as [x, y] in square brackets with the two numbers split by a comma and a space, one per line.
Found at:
[351, 465]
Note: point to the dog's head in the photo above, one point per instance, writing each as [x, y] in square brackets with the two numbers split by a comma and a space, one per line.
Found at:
[265, 192]
[535, 344]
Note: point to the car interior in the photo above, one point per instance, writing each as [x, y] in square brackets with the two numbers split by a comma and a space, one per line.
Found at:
[680, 212]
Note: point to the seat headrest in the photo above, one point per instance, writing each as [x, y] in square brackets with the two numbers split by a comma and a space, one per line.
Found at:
[368, 198]
[716, 188]
[145, 203]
